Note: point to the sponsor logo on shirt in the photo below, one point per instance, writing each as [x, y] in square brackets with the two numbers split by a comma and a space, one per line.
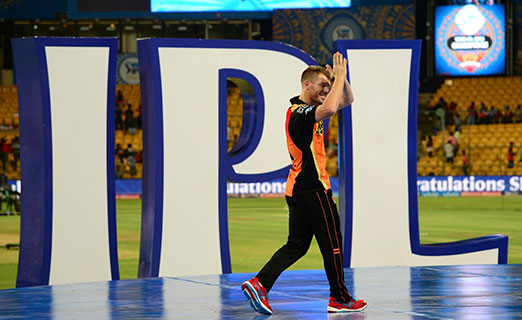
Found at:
[304, 109]
[319, 128]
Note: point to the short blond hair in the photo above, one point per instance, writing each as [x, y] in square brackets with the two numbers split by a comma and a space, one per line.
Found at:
[311, 73]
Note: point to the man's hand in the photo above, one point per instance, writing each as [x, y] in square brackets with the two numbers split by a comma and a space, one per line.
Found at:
[339, 66]
[336, 98]
[330, 71]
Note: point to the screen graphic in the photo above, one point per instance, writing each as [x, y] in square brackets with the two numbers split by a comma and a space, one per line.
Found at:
[470, 40]
[241, 5]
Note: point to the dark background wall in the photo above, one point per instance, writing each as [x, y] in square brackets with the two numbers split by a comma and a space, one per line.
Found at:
[310, 30]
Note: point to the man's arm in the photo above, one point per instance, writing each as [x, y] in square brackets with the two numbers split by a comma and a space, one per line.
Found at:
[334, 99]
[347, 95]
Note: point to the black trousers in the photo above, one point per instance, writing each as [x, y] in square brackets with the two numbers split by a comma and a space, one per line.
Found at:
[311, 214]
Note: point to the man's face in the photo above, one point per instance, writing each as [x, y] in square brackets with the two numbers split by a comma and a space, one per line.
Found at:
[317, 89]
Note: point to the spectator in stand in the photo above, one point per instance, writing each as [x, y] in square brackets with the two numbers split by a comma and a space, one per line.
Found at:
[15, 146]
[453, 140]
[449, 113]
[4, 185]
[129, 114]
[4, 181]
[517, 115]
[498, 116]
[457, 137]
[5, 148]
[10, 196]
[510, 155]
[441, 104]
[129, 151]
[483, 114]
[472, 114]
[119, 171]
[491, 115]
[131, 125]
[131, 159]
[437, 125]
[465, 163]
[119, 98]
[458, 122]
[448, 151]
[118, 117]
[453, 106]
[139, 156]
[131, 162]
[508, 115]
[429, 146]
[120, 153]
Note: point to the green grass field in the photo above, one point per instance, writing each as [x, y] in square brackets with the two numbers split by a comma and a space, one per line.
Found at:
[258, 227]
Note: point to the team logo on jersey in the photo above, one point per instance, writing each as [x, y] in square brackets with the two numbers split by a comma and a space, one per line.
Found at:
[319, 128]
[304, 109]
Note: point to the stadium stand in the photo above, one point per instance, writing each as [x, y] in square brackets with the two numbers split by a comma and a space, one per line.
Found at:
[485, 144]
[493, 91]
[488, 145]
[332, 147]
[9, 125]
[235, 115]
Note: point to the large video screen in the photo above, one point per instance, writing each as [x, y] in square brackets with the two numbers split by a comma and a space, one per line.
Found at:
[241, 5]
[470, 40]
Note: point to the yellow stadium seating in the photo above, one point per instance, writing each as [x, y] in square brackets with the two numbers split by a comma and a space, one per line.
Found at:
[488, 143]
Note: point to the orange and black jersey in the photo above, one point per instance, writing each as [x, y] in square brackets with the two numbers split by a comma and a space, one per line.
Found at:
[304, 137]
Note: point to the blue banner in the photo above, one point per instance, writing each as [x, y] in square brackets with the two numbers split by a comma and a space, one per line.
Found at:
[450, 186]
[468, 185]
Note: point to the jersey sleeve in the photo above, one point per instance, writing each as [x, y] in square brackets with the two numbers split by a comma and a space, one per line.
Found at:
[302, 117]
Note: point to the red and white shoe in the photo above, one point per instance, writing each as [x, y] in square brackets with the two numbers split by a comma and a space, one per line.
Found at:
[352, 306]
[256, 293]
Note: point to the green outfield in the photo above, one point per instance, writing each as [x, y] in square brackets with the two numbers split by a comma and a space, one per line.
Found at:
[258, 227]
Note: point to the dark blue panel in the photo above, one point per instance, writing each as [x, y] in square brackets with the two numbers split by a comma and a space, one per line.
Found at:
[345, 165]
[36, 155]
[111, 175]
[225, 167]
[152, 181]
[35, 165]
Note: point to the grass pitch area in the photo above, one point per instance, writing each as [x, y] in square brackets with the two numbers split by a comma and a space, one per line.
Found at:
[258, 227]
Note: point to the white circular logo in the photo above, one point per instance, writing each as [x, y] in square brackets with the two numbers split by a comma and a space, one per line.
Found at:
[341, 27]
[128, 70]
[342, 32]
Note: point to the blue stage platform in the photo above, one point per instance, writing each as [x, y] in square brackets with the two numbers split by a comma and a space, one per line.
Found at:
[453, 292]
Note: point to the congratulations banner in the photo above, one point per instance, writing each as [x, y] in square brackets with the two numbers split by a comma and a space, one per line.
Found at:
[468, 185]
